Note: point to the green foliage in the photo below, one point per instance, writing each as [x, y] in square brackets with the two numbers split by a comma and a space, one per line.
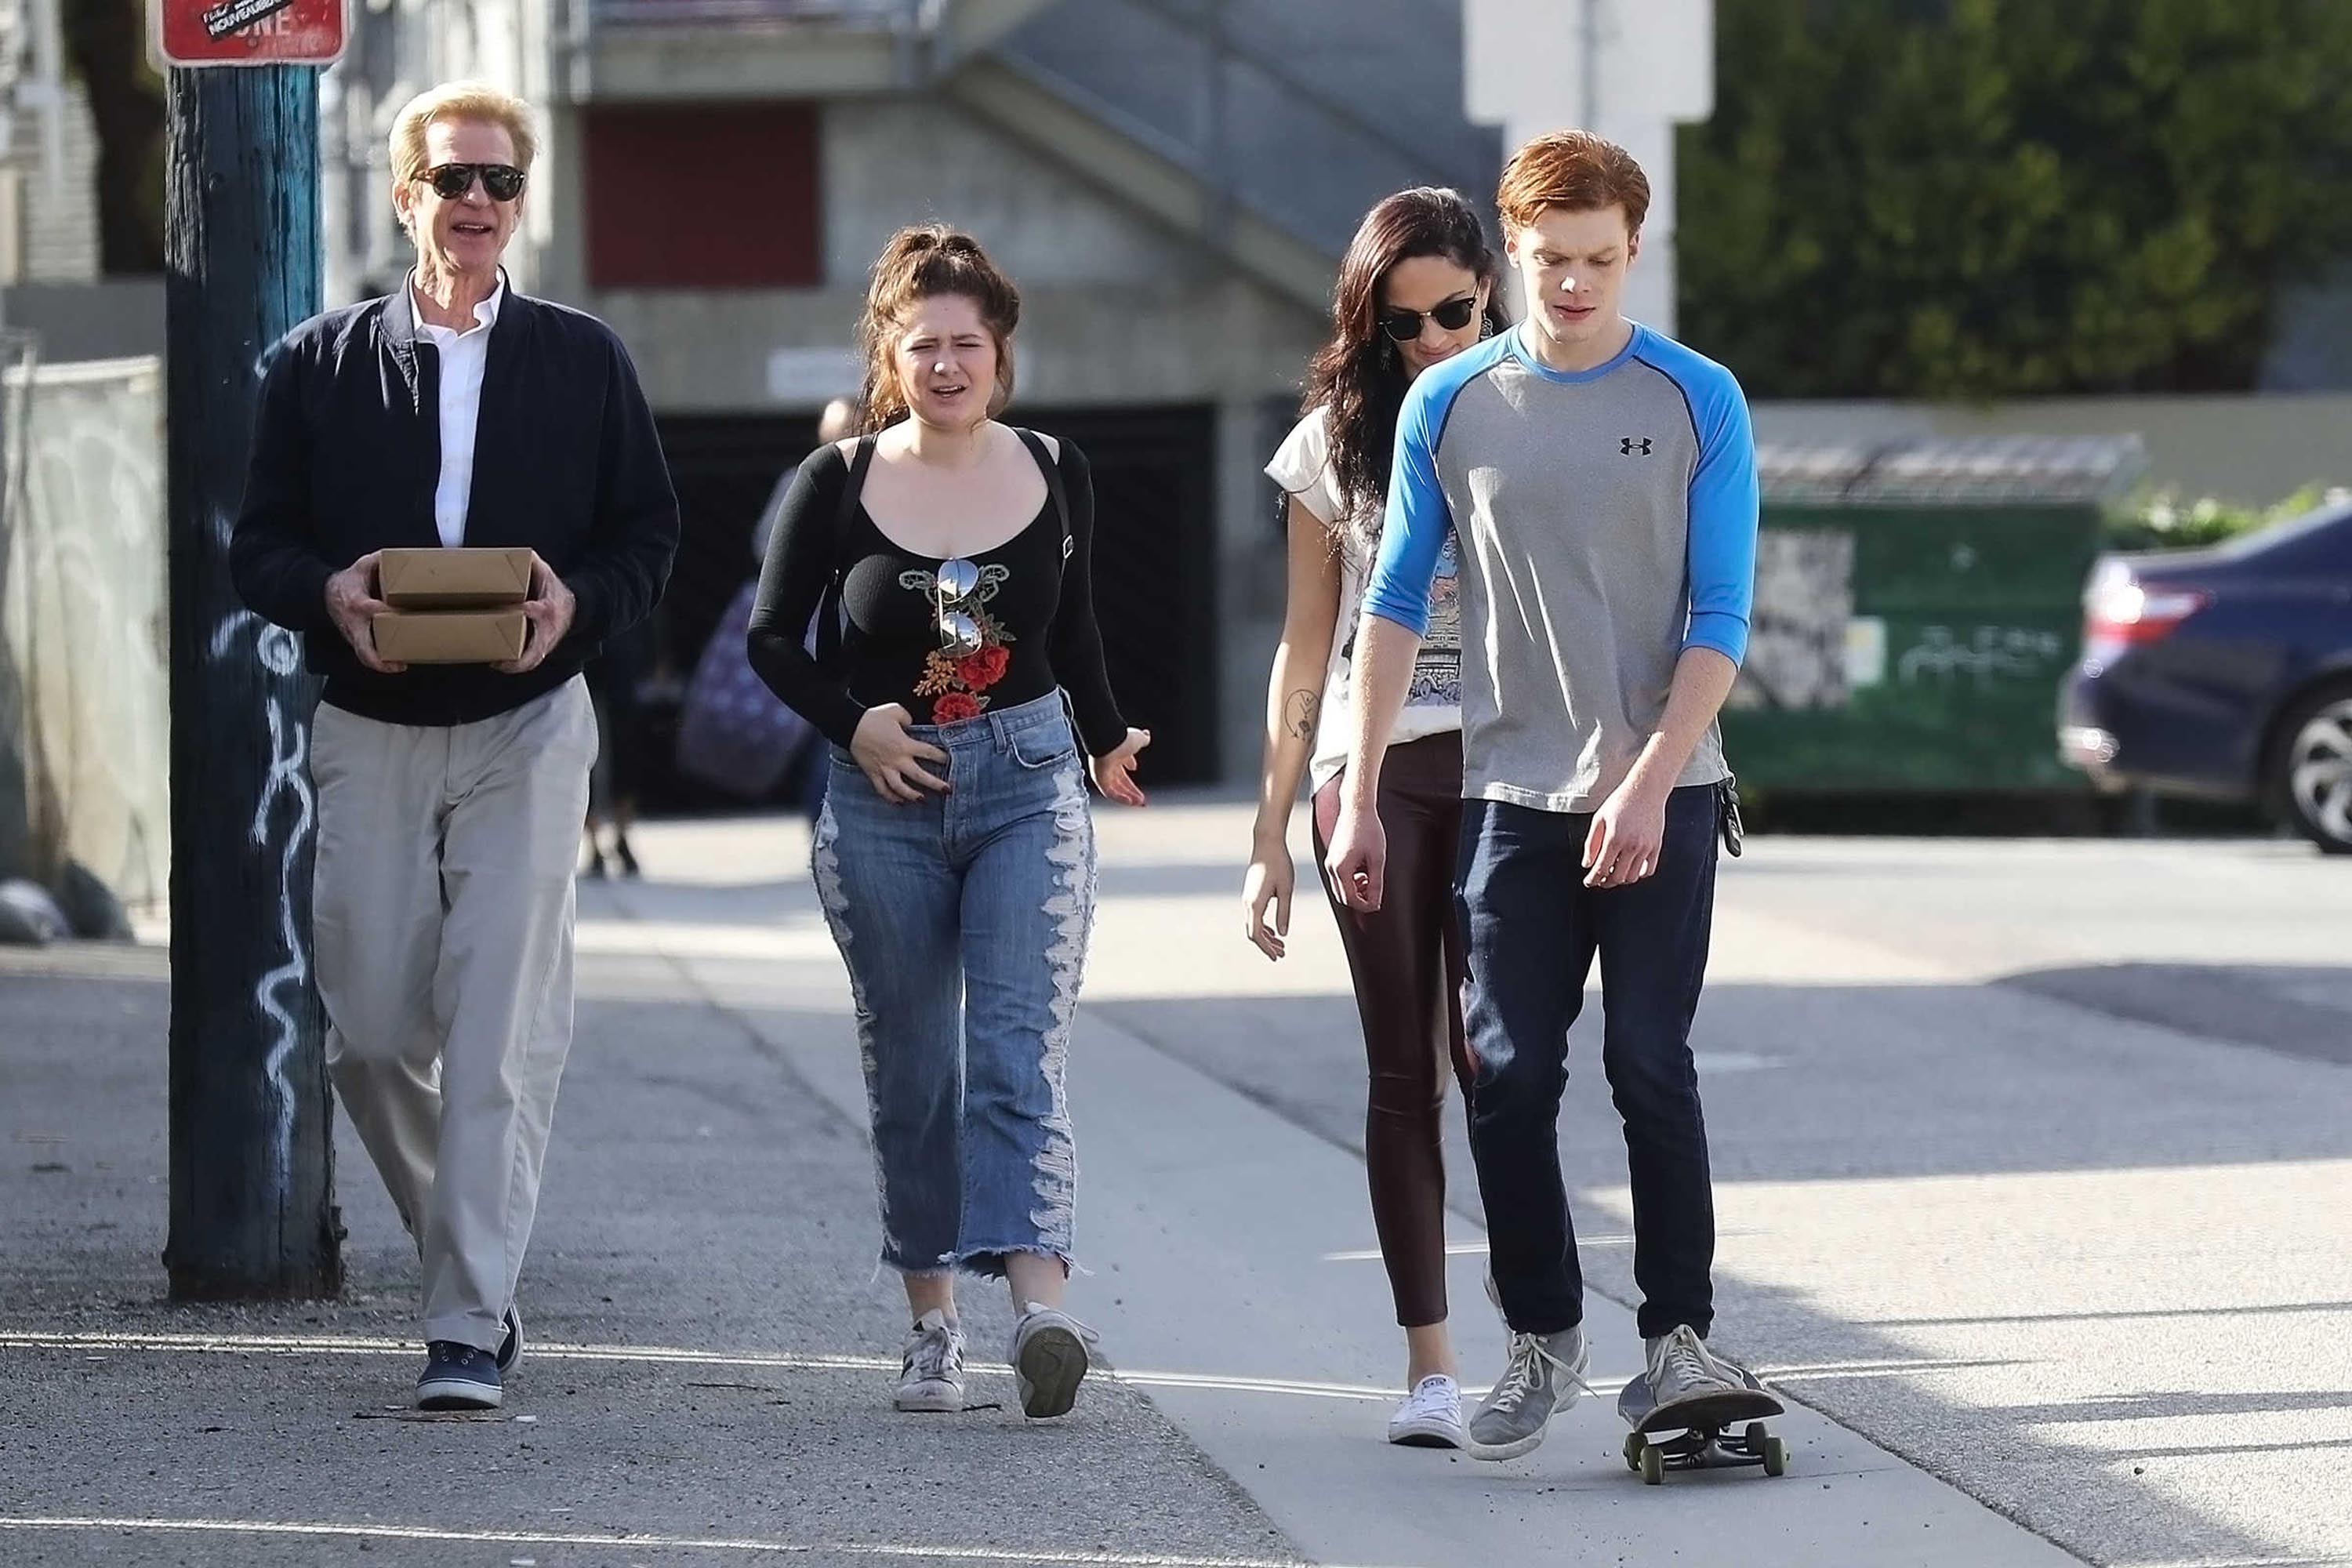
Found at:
[1983, 199]
[2163, 521]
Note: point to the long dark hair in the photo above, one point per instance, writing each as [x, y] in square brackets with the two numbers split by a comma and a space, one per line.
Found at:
[1359, 375]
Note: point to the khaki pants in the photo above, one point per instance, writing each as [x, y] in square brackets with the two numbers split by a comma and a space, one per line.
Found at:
[443, 912]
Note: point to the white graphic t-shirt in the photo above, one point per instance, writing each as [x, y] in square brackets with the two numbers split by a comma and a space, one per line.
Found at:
[1302, 466]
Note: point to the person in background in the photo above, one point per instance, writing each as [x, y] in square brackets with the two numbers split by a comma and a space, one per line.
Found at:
[837, 421]
[810, 767]
[454, 412]
[614, 677]
[1415, 289]
[966, 703]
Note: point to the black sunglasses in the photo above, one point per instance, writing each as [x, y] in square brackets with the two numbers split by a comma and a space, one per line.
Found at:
[1452, 315]
[450, 181]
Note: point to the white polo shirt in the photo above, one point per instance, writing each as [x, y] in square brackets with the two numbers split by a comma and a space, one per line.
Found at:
[465, 357]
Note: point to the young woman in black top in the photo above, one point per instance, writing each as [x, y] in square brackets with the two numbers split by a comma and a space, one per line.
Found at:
[950, 558]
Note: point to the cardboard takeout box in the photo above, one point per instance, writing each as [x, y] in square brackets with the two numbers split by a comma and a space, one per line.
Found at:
[450, 636]
[461, 579]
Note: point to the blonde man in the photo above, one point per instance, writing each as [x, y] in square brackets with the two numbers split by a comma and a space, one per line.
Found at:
[453, 412]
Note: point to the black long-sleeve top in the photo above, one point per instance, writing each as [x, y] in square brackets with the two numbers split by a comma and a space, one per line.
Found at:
[346, 453]
[1034, 607]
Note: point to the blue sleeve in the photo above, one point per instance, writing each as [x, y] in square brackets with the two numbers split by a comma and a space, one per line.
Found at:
[1723, 511]
[1412, 535]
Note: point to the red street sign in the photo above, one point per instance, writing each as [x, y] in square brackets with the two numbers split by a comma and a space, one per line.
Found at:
[249, 32]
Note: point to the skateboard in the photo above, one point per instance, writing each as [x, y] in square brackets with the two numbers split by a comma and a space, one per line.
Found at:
[1701, 1428]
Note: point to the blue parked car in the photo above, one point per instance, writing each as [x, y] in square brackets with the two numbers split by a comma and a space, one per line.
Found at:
[2225, 673]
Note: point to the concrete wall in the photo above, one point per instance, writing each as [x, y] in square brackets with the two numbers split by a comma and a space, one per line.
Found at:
[2251, 447]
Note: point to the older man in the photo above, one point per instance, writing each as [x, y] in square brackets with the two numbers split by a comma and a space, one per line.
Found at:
[454, 412]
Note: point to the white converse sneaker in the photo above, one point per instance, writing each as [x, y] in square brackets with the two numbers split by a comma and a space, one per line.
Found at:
[1431, 1415]
[1049, 1360]
[930, 1376]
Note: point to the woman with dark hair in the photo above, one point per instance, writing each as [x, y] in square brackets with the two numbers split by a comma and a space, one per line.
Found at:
[954, 853]
[1416, 287]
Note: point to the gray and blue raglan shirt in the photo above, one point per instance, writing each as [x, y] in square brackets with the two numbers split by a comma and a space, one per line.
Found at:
[1606, 522]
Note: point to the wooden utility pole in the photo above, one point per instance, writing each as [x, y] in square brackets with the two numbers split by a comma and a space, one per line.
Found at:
[253, 1210]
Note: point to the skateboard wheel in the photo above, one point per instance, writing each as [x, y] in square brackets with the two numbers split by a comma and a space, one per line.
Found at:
[1753, 1439]
[1634, 1444]
[1653, 1465]
[1775, 1456]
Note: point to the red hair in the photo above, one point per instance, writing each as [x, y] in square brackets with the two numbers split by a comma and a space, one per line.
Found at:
[1576, 169]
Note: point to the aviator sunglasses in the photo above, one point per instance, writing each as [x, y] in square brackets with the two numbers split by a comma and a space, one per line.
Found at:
[953, 588]
[1452, 315]
[501, 181]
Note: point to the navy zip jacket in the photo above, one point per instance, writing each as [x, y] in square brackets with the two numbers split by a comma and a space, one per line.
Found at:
[347, 452]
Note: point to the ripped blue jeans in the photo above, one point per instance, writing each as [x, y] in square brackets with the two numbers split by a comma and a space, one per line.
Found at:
[963, 920]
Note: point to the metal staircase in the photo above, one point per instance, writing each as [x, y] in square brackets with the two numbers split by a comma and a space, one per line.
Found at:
[1259, 128]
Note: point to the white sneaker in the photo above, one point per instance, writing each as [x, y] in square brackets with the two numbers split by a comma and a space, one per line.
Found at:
[1431, 1415]
[930, 1376]
[1049, 1360]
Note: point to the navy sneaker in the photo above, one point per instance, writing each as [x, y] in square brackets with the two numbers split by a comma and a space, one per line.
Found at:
[459, 1377]
[511, 1347]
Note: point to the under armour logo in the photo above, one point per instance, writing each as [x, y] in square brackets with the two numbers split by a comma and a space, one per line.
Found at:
[1632, 444]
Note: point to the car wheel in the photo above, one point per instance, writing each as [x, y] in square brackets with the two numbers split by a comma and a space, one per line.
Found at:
[2311, 774]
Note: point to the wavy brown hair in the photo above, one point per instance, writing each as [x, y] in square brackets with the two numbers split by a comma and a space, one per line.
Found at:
[922, 262]
[1359, 375]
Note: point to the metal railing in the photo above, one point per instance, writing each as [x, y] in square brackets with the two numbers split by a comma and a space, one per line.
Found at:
[1193, 82]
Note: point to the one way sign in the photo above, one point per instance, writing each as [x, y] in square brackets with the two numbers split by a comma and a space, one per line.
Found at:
[250, 32]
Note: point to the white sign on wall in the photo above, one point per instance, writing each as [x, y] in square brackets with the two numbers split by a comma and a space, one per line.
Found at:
[812, 375]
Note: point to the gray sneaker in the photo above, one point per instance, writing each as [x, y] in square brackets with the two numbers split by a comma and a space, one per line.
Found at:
[930, 1373]
[1545, 1376]
[1049, 1360]
[1682, 1367]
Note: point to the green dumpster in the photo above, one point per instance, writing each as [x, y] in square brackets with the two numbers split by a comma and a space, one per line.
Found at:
[1917, 605]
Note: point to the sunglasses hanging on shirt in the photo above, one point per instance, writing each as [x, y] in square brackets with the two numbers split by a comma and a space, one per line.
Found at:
[953, 588]
[501, 181]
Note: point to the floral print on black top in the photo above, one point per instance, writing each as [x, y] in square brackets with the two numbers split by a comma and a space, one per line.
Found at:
[958, 686]
[1033, 604]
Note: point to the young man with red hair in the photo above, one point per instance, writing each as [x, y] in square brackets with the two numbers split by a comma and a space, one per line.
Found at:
[1602, 480]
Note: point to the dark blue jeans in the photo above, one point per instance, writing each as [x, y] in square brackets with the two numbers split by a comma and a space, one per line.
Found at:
[1533, 929]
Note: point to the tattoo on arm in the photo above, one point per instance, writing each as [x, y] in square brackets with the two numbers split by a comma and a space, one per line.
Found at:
[1300, 713]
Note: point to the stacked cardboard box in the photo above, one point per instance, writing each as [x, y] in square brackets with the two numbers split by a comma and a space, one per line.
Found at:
[452, 607]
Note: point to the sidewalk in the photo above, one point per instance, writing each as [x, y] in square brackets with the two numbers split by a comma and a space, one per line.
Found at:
[710, 1357]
